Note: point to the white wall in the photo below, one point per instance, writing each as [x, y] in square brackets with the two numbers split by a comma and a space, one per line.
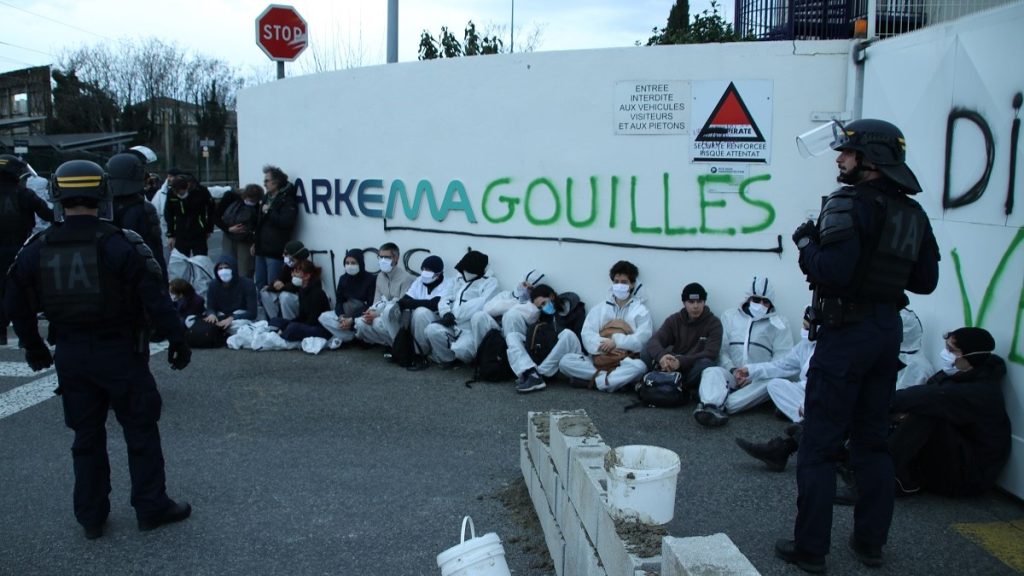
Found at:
[966, 68]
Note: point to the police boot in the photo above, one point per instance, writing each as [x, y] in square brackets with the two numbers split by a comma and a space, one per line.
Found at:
[174, 513]
[774, 453]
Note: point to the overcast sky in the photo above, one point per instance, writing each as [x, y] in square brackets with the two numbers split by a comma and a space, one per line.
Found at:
[35, 32]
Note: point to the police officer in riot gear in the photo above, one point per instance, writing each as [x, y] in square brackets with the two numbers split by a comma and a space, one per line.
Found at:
[870, 244]
[18, 209]
[126, 173]
[94, 281]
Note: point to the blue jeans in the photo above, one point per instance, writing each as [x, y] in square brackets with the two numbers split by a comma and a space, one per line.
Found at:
[267, 269]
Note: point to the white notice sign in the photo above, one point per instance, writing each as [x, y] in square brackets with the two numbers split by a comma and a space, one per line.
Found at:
[652, 107]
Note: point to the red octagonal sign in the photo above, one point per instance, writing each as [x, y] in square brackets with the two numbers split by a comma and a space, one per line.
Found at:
[281, 32]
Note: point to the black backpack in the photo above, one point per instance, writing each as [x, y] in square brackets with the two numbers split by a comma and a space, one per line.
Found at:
[661, 390]
[492, 358]
[203, 334]
[540, 340]
[576, 315]
[403, 349]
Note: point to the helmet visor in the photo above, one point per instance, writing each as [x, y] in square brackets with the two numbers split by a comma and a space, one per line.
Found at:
[824, 138]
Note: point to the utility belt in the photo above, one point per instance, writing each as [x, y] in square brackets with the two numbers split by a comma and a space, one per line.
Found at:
[69, 333]
[838, 312]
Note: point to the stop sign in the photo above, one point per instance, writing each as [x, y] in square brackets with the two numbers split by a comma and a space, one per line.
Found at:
[281, 32]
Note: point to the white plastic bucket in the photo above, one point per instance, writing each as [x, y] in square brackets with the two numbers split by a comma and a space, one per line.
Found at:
[483, 556]
[642, 483]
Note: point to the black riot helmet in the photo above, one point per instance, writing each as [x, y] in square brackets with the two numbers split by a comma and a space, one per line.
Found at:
[79, 179]
[882, 144]
[12, 167]
[127, 174]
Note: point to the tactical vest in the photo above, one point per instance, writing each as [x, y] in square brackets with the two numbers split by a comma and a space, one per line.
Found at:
[76, 287]
[12, 226]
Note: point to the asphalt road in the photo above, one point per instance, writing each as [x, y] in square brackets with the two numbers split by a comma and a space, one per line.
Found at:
[344, 464]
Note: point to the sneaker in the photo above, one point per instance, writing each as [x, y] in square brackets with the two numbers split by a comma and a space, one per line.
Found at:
[530, 382]
[774, 453]
[334, 344]
[710, 416]
[418, 363]
[786, 550]
[870, 556]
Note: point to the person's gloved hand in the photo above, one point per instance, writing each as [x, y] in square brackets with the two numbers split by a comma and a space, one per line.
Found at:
[806, 230]
[38, 357]
[179, 355]
[448, 320]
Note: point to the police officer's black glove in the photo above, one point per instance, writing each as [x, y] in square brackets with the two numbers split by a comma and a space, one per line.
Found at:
[806, 230]
[448, 320]
[179, 355]
[38, 357]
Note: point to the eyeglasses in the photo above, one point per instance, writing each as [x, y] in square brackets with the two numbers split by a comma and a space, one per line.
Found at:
[760, 300]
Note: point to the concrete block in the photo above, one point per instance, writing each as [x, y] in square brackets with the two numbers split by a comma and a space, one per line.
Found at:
[549, 481]
[552, 532]
[704, 556]
[537, 436]
[585, 489]
[580, 553]
[566, 432]
[611, 549]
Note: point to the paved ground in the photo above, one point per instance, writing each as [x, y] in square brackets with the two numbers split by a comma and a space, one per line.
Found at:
[344, 464]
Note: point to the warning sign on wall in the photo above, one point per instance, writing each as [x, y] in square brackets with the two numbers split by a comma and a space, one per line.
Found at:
[734, 120]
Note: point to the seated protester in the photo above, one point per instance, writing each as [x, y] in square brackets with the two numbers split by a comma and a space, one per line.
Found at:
[614, 331]
[280, 298]
[452, 337]
[753, 332]
[236, 216]
[917, 369]
[952, 433]
[530, 375]
[392, 283]
[353, 297]
[230, 297]
[492, 317]
[422, 300]
[313, 302]
[187, 302]
[688, 341]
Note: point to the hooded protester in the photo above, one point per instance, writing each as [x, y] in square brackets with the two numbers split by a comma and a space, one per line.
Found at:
[953, 434]
[187, 302]
[313, 302]
[230, 297]
[374, 327]
[688, 341]
[533, 367]
[452, 336]
[353, 297]
[753, 332]
[280, 298]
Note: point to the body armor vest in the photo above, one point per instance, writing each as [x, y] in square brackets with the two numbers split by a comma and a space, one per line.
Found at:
[12, 227]
[76, 288]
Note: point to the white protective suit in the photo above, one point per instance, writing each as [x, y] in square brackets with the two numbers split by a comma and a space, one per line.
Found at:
[787, 395]
[463, 300]
[745, 341]
[423, 316]
[514, 326]
[636, 314]
[918, 369]
[389, 288]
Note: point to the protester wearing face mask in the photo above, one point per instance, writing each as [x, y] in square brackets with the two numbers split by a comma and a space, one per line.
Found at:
[280, 298]
[451, 337]
[313, 302]
[236, 216]
[953, 433]
[532, 371]
[754, 332]
[392, 283]
[353, 296]
[187, 302]
[189, 213]
[618, 329]
[419, 305]
[230, 298]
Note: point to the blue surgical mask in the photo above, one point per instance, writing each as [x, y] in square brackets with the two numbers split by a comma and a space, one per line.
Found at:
[548, 308]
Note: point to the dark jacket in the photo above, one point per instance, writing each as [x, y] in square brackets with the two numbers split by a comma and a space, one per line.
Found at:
[313, 302]
[686, 339]
[190, 219]
[222, 300]
[358, 288]
[972, 404]
[275, 227]
[233, 210]
[137, 214]
[18, 209]
[193, 306]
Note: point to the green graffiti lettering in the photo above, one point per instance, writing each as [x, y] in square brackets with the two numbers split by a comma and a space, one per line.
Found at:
[554, 194]
[615, 202]
[766, 206]
[456, 198]
[702, 180]
[412, 212]
[509, 201]
[669, 230]
[633, 227]
[593, 204]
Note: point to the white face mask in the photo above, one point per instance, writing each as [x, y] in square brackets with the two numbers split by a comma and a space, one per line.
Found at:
[427, 276]
[351, 269]
[175, 297]
[384, 264]
[250, 202]
[469, 276]
[758, 311]
[297, 281]
[620, 291]
[805, 334]
[947, 362]
[289, 261]
[224, 274]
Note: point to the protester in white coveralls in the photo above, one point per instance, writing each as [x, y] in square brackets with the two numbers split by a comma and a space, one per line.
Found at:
[495, 312]
[421, 302]
[753, 332]
[545, 306]
[452, 337]
[625, 304]
[917, 369]
[787, 395]
[392, 283]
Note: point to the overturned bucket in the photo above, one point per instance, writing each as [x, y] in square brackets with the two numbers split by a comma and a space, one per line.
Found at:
[642, 483]
[483, 556]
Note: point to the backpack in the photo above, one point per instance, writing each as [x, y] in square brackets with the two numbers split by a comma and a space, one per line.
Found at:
[403, 349]
[492, 358]
[540, 340]
[203, 334]
[661, 390]
[572, 319]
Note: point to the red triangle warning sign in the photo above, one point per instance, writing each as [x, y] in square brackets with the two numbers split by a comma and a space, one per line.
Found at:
[730, 121]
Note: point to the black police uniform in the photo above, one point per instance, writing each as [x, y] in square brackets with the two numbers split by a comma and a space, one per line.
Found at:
[94, 282]
[137, 214]
[18, 208]
[875, 242]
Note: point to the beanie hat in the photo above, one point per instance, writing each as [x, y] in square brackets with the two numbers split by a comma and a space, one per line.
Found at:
[975, 343]
[296, 249]
[760, 286]
[433, 263]
[473, 262]
[694, 291]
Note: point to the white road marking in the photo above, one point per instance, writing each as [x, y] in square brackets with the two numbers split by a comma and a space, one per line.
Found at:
[36, 391]
[15, 369]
